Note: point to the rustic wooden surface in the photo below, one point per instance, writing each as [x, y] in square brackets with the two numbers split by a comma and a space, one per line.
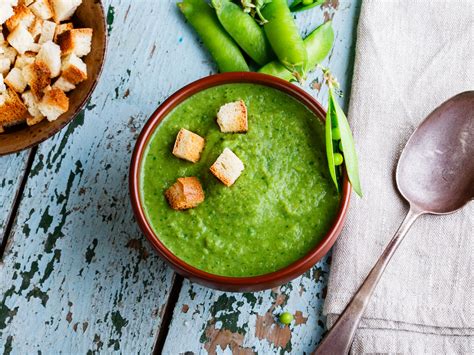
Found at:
[77, 276]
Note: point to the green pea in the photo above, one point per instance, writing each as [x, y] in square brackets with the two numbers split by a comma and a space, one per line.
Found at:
[284, 37]
[336, 134]
[303, 5]
[307, 2]
[223, 49]
[244, 30]
[340, 146]
[318, 45]
[286, 318]
[338, 159]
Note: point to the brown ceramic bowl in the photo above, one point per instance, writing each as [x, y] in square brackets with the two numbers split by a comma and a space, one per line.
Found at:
[239, 284]
[90, 15]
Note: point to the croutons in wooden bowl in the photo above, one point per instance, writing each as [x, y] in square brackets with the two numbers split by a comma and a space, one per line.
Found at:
[33, 106]
[188, 193]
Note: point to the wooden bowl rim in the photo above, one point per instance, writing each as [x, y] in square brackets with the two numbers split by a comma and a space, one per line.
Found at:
[226, 283]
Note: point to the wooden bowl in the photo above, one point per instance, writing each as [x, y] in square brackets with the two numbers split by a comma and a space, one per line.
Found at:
[90, 15]
[238, 284]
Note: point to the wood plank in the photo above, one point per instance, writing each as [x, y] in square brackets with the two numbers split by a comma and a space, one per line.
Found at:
[12, 169]
[78, 276]
[219, 322]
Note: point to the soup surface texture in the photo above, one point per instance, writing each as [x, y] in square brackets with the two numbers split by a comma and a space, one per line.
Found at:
[277, 210]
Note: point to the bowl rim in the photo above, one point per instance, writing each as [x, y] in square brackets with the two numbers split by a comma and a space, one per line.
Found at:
[227, 283]
[84, 100]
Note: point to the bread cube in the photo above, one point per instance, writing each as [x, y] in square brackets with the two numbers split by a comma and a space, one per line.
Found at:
[50, 54]
[12, 109]
[32, 104]
[47, 32]
[232, 117]
[54, 103]
[42, 9]
[22, 16]
[185, 193]
[36, 28]
[228, 167]
[21, 39]
[24, 59]
[4, 65]
[6, 11]
[188, 145]
[74, 69]
[61, 28]
[77, 41]
[64, 9]
[10, 53]
[15, 80]
[38, 77]
[3, 87]
[63, 84]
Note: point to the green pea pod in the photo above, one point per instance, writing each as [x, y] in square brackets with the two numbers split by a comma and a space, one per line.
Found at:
[350, 155]
[244, 30]
[330, 123]
[283, 35]
[318, 45]
[222, 47]
[299, 5]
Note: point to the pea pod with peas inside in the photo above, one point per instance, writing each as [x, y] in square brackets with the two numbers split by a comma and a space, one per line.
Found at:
[338, 129]
[284, 37]
[318, 45]
[244, 30]
[222, 47]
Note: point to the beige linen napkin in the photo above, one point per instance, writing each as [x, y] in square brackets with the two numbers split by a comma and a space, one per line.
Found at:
[410, 57]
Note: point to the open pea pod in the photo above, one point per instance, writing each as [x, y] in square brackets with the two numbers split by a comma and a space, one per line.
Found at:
[303, 5]
[329, 125]
[339, 120]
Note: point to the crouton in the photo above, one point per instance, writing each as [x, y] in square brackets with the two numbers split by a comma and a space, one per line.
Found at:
[42, 9]
[12, 110]
[3, 87]
[61, 28]
[188, 145]
[185, 193]
[6, 11]
[10, 53]
[74, 69]
[15, 80]
[47, 32]
[38, 77]
[32, 105]
[63, 84]
[36, 28]
[228, 167]
[77, 41]
[232, 117]
[4, 65]
[22, 16]
[64, 9]
[50, 54]
[24, 59]
[54, 103]
[21, 39]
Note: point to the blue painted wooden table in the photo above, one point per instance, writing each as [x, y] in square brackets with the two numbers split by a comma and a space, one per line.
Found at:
[76, 274]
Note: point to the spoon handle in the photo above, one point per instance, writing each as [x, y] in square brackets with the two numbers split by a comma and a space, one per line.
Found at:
[339, 339]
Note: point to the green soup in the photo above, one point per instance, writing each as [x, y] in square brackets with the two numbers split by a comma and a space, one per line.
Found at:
[278, 209]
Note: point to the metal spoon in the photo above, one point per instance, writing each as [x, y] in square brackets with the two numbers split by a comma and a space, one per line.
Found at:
[435, 174]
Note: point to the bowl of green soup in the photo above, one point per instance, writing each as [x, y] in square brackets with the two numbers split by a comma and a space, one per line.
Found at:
[280, 216]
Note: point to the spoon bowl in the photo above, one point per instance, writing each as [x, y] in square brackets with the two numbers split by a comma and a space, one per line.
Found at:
[435, 170]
